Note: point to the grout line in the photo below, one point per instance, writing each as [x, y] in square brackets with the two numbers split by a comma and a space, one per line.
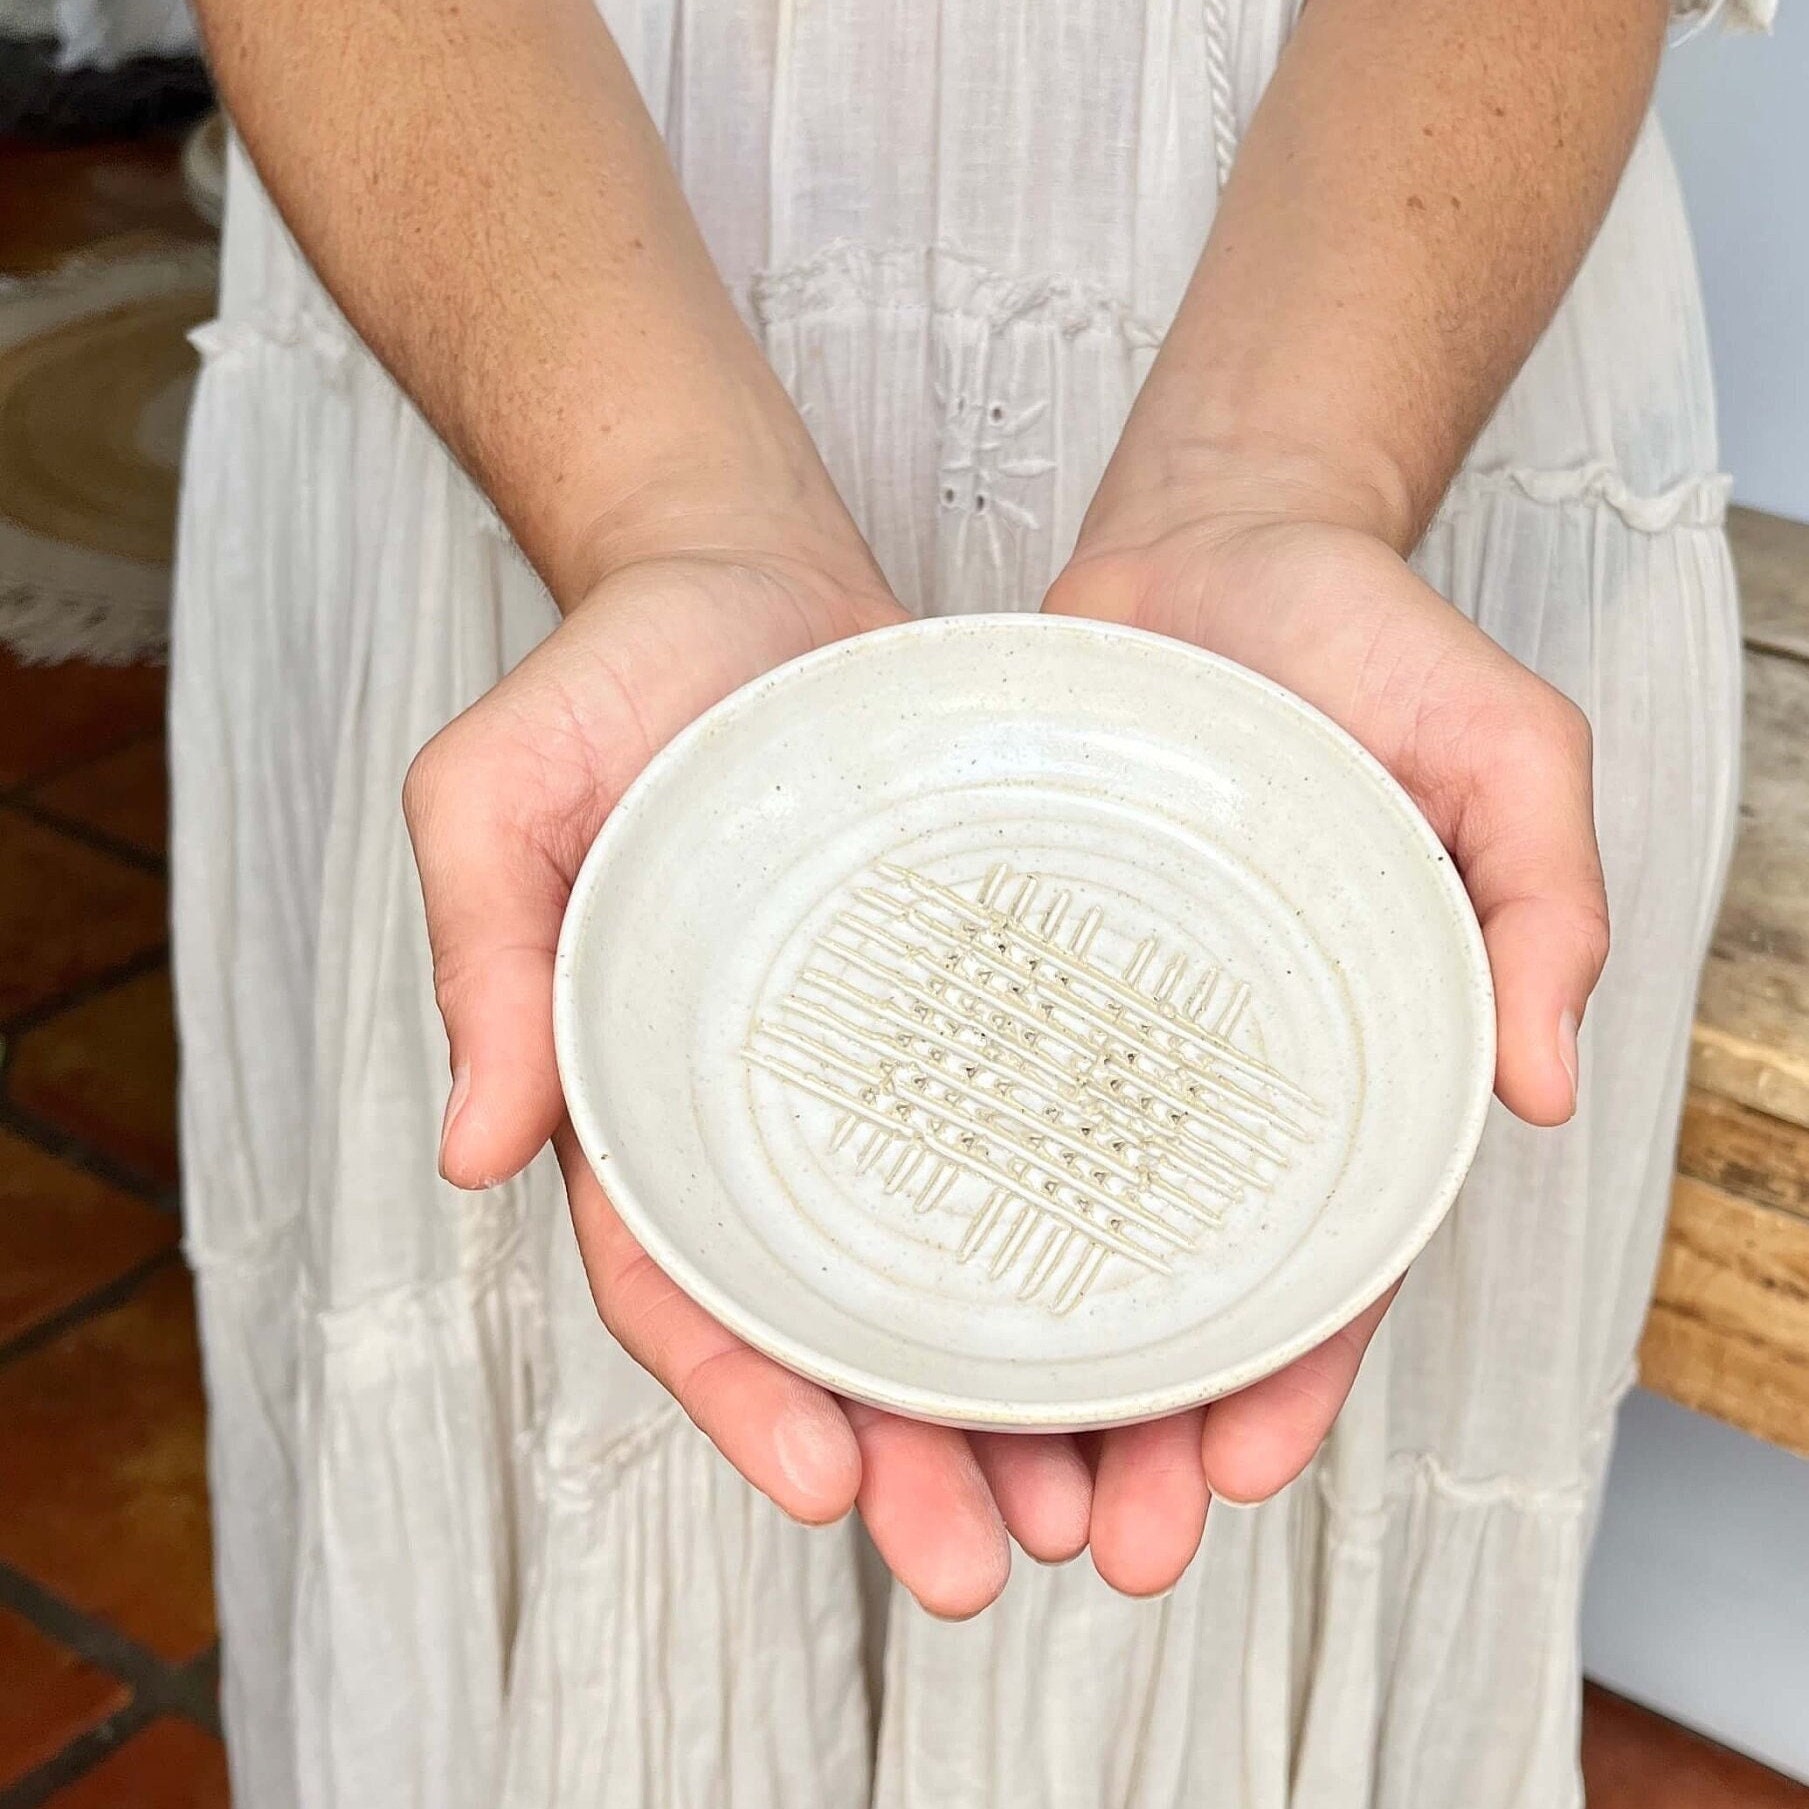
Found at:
[96, 841]
[66, 1147]
[81, 1755]
[135, 967]
[100, 1300]
[92, 1639]
[196, 1691]
[159, 1687]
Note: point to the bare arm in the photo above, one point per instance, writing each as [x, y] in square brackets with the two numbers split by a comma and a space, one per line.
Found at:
[1414, 196]
[482, 191]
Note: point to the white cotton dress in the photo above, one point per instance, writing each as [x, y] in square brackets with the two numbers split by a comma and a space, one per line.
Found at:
[469, 1556]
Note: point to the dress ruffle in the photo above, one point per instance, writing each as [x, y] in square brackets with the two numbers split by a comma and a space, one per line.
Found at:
[1696, 502]
[861, 279]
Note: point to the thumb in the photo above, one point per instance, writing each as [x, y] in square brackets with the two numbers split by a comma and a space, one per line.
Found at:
[494, 903]
[1525, 843]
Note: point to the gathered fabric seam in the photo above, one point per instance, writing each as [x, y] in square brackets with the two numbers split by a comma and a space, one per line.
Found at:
[582, 1477]
[1694, 502]
[578, 1481]
[903, 278]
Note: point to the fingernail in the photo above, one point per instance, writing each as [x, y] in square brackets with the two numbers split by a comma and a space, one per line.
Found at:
[1567, 1051]
[801, 1448]
[812, 1452]
[455, 1103]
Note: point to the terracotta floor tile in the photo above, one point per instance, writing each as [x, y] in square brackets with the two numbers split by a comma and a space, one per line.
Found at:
[102, 1446]
[67, 914]
[1634, 1759]
[47, 1697]
[55, 717]
[63, 1234]
[125, 795]
[170, 1765]
[105, 1071]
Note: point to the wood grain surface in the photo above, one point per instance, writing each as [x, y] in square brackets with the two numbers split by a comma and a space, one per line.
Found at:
[1729, 1328]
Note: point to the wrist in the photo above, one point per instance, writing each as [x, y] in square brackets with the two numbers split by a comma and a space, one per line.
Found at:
[769, 519]
[1180, 538]
[1160, 483]
[731, 477]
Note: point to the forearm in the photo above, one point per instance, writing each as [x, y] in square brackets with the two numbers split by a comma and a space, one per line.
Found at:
[1414, 195]
[482, 191]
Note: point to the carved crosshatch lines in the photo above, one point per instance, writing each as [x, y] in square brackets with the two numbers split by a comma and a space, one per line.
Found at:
[978, 1055]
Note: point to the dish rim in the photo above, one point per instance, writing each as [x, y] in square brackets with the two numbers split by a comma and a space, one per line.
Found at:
[929, 1403]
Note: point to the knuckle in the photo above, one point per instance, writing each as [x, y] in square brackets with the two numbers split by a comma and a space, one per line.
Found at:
[1594, 933]
[452, 780]
[703, 1381]
[455, 806]
[455, 977]
[1542, 736]
[635, 1303]
[1566, 730]
[424, 782]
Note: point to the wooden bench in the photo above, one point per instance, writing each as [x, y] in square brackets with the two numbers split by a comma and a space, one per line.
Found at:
[1728, 1332]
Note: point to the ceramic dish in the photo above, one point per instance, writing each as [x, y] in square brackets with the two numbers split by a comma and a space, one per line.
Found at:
[1015, 1021]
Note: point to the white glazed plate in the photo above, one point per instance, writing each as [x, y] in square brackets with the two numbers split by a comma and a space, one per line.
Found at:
[1015, 1021]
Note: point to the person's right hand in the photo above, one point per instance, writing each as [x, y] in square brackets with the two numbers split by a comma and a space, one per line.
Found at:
[502, 806]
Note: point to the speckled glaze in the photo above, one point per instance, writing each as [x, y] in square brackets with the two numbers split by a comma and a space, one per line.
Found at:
[1015, 1021]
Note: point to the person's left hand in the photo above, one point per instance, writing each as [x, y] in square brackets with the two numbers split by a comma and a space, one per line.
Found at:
[1499, 762]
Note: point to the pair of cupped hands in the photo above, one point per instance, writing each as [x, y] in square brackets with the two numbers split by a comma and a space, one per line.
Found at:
[503, 804]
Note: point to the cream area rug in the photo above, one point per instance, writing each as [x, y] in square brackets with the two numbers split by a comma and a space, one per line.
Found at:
[95, 376]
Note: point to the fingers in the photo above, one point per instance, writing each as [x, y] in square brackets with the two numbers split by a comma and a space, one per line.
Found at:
[1525, 842]
[787, 1436]
[1043, 1487]
[493, 909]
[919, 1488]
[1258, 1440]
[1149, 1503]
[929, 1511]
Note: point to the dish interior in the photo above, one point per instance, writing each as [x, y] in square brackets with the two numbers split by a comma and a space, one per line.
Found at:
[1023, 1022]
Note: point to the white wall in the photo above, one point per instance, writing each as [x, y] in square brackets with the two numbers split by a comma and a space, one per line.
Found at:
[1698, 1597]
[1736, 111]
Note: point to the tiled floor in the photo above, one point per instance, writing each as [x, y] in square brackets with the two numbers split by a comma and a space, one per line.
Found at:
[107, 1659]
[107, 1663]
[108, 1670]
